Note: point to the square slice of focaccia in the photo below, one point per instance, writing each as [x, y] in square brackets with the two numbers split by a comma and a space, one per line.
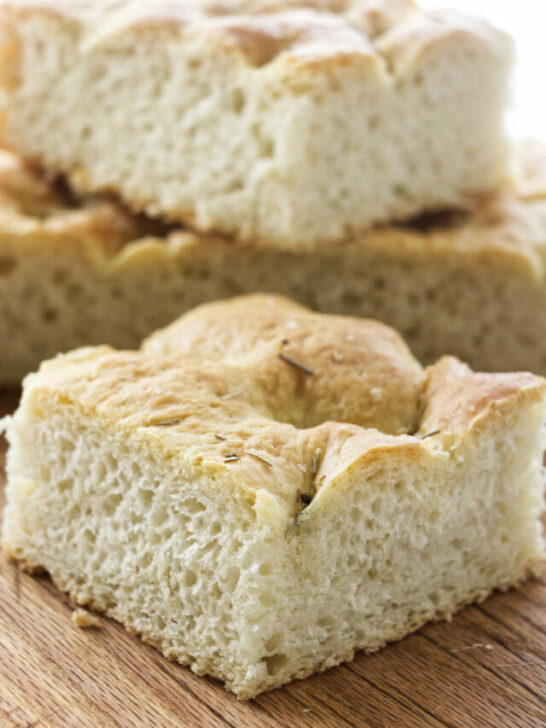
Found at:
[262, 490]
[279, 121]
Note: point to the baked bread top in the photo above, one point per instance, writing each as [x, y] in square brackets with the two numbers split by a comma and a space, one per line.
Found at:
[263, 396]
[384, 35]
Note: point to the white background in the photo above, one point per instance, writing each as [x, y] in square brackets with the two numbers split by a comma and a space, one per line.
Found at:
[525, 20]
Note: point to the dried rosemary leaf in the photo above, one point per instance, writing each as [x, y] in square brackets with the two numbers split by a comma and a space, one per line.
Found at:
[231, 395]
[292, 528]
[296, 364]
[260, 458]
[317, 457]
[431, 434]
[231, 458]
[166, 423]
[303, 500]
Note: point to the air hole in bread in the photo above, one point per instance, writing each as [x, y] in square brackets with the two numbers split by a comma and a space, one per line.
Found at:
[194, 63]
[190, 578]
[192, 506]
[145, 497]
[64, 485]
[159, 517]
[238, 100]
[274, 642]
[275, 663]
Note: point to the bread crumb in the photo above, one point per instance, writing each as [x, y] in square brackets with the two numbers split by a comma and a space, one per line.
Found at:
[84, 620]
[485, 646]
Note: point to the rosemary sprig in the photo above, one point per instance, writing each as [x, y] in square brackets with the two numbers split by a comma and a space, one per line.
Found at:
[296, 364]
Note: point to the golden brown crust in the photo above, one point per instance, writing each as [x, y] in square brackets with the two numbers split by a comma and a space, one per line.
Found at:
[456, 397]
[24, 192]
[312, 368]
[251, 420]
[386, 34]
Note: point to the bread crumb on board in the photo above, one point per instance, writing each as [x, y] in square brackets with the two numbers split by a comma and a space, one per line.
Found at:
[84, 620]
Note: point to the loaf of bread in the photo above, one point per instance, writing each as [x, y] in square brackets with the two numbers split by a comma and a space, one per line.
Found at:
[282, 121]
[74, 273]
[263, 490]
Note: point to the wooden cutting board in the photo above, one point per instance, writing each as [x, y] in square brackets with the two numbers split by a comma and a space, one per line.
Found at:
[486, 669]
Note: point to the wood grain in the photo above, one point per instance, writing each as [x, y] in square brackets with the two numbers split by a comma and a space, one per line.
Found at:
[486, 669]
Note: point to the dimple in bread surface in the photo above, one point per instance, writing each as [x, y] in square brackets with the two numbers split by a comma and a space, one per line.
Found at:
[327, 367]
[362, 370]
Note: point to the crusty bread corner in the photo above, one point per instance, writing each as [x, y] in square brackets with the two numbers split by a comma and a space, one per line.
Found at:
[205, 124]
[260, 517]
[77, 272]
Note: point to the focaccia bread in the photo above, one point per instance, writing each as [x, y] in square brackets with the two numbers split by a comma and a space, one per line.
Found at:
[263, 490]
[80, 272]
[278, 121]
